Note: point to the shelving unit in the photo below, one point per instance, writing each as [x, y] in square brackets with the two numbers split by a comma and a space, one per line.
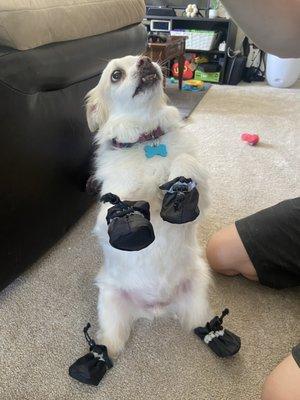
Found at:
[227, 28]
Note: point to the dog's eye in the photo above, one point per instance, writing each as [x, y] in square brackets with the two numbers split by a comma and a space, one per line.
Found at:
[116, 75]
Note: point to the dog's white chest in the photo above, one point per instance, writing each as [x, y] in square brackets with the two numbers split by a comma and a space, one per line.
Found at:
[130, 171]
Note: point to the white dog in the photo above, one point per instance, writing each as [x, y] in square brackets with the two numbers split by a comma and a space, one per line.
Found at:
[169, 276]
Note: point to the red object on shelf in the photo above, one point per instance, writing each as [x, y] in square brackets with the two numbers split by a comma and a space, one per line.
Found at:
[250, 138]
[187, 71]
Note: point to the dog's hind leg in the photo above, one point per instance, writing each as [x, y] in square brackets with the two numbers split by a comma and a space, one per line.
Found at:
[115, 319]
[194, 313]
[192, 307]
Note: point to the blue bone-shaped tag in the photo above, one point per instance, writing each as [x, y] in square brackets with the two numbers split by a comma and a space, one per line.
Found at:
[160, 150]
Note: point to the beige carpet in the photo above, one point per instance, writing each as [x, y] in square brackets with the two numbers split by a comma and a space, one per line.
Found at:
[43, 312]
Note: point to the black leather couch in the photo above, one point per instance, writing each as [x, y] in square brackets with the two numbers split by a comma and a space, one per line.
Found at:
[46, 147]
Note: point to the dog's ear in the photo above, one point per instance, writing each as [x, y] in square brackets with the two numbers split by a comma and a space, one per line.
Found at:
[96, 112]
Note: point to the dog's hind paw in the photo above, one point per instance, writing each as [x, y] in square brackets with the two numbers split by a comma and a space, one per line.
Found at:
[221, 341]
[91, 368]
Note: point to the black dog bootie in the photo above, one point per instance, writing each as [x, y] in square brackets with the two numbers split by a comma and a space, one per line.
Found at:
[221, 341]
[91, 368]
[129, 226]
[180, 203]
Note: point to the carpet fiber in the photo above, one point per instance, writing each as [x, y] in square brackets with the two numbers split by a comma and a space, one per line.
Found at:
[43, 312]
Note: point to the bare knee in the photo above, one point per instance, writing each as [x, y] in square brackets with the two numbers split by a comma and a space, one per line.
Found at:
[218, 253]
[226, 254]
[283, 382]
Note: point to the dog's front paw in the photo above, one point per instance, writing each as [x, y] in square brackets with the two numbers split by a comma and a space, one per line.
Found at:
[180, 202]
[129, 226]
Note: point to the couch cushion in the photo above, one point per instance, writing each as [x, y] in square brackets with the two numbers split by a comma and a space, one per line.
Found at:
[25, 24]
[59, 65]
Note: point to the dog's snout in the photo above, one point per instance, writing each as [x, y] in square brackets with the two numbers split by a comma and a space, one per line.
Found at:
[144, 62]
[146, 67]
[147, 74]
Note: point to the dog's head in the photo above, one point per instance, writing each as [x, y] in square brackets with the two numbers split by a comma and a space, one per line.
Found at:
[128, 85]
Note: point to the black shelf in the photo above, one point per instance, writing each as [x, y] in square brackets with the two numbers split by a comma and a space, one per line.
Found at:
[224, 25]
[205, 51]
[202, 19]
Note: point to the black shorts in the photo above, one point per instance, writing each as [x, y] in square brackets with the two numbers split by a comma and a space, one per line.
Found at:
[296, 354]
[271, 238]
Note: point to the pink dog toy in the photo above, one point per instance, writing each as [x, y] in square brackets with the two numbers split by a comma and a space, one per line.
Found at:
[250, 138]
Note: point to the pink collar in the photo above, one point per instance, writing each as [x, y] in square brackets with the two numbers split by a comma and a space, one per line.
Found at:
[145, 137]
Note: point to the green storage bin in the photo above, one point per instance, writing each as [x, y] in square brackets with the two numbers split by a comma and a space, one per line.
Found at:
[207, 76]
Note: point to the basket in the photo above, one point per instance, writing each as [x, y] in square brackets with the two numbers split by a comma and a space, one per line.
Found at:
[197, 39]
[207, 76]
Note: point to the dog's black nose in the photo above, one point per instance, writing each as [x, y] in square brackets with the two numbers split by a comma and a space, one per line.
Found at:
[144, 62]
[146, 68]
